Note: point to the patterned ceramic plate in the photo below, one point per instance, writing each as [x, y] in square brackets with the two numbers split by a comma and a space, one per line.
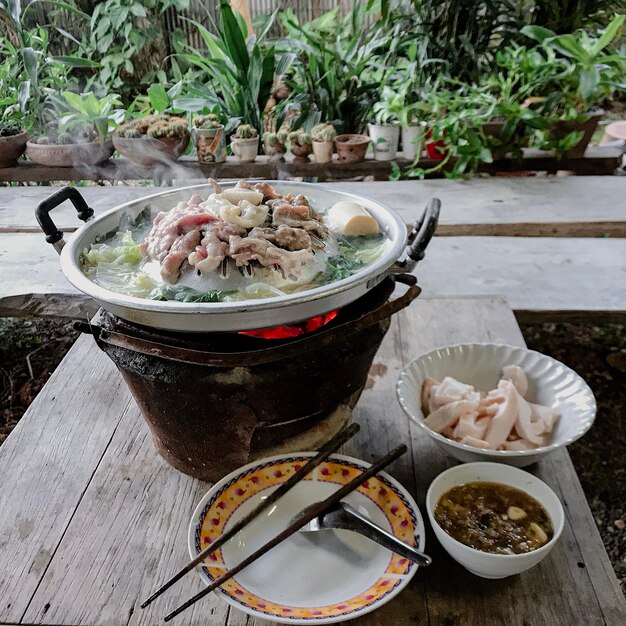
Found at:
[323, 577]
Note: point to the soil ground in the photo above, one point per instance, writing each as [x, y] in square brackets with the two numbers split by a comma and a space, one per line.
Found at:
[30, 350]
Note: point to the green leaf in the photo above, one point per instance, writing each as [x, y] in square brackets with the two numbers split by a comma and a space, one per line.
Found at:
[612, 31]
[76, 61]
[15, 9]
[138, 10]
[233, 37]
[67, 35]
[105, 43]
[101, 124]
[23, 95]
[538, 33]
[158, 97]
[30, 62]
[589, 81]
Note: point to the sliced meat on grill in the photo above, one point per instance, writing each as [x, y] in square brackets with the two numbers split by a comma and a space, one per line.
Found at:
[284, 237]
[269, 193]
[180, 250]
[298, 217]
[167, 227]
[214, 245]
[245, 250]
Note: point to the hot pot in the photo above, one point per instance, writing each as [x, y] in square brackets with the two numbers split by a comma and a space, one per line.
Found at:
[214, 398]
[243, 315]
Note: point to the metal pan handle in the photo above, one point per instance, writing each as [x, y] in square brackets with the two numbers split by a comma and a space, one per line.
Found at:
[53, 235]
[424, 229]
[419, 238]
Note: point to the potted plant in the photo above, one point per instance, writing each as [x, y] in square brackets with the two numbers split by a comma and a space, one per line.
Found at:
[351, 148]
[78, 130]
[300, 144]
[12, 142]
[385, 131]
[274, 145]
[208, 134]
[245, 143]
[588, 76]
[412, 131]
[152, 139]
[323, 136]
[14, 96]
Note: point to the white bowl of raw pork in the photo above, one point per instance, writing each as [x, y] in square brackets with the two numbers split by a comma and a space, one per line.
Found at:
[515, 417]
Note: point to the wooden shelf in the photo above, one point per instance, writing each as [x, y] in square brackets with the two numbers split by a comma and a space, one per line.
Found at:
[597, 161]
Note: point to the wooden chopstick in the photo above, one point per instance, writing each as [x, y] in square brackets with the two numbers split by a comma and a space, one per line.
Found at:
[325, 451]
[301, 520]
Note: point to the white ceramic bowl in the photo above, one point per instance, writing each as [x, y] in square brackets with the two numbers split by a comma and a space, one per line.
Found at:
[480, 364]
[485, 564]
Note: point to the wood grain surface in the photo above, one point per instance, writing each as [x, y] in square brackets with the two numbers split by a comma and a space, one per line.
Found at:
[92, 519]
[555, 278]
[566, 206]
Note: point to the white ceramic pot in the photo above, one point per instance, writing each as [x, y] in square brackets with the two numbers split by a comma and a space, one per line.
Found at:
[485, 564]
[384, 140]
[245, 149]
[323, 151]
[410, 147]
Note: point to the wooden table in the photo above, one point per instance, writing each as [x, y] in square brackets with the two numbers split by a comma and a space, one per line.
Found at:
[534, 240]
[92, 519]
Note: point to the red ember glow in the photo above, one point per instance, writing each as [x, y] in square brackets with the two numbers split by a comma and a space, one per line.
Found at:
[292, 330]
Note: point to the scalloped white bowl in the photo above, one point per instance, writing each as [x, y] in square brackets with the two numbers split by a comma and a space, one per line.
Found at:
[550, 383]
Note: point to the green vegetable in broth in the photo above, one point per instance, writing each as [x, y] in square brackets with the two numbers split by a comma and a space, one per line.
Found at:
[181, 293]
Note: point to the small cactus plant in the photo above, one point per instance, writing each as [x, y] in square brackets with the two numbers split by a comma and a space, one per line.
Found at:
[245, 131]
[323, 132]
[203, 122]
[155, 126]
[275, 139]
[300, 138]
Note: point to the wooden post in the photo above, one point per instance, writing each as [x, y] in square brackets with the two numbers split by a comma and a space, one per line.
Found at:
[243, 7]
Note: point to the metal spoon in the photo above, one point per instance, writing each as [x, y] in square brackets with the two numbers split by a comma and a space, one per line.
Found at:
[343, 516]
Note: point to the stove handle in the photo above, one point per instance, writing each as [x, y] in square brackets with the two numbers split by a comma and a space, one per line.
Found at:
[53, 235]
[420, 237]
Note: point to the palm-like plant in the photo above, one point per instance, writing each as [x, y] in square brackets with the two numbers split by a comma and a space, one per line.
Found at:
[239, 72]
[339, 69]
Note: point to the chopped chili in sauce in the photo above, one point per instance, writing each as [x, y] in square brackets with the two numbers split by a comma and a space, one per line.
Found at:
[493, 517]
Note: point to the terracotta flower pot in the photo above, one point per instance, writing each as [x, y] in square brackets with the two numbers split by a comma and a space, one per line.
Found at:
[12, 148]
[323, 151]
[351, 148]
[245, 149]
[276, 151]
[301, 153]
[150, 151]
[210, 144]
[562, 128]
[69, 155]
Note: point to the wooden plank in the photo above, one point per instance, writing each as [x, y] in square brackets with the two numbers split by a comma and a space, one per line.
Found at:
[128, 532]
[128, 535]
[579, 562]
[597, 161]
[46, 464]
[567, 206]
[563, 275]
